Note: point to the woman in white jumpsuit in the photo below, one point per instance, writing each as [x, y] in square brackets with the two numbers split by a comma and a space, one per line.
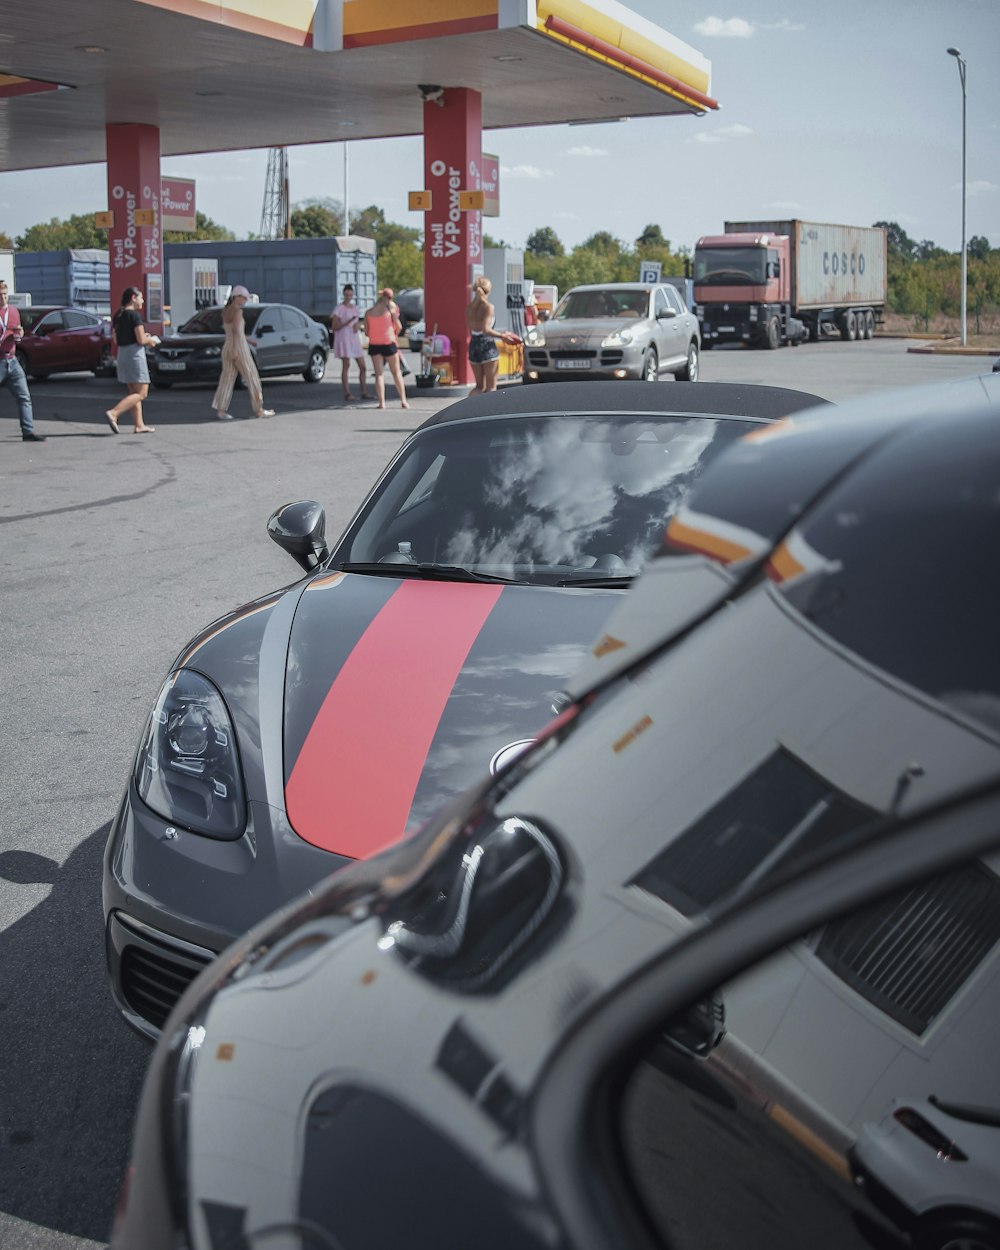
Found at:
[236, 359]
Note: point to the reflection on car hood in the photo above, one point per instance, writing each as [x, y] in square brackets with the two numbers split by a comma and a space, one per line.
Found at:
[399, 693]
[591, 327]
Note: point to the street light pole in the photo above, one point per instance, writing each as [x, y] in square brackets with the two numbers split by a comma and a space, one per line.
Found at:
[965, 273]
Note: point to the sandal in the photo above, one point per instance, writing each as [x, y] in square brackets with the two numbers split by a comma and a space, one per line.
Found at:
[112, 421]
[144, 429]
[266, 412]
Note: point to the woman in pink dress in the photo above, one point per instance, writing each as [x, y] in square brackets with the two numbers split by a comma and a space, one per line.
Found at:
[382, 325]
[345, 321]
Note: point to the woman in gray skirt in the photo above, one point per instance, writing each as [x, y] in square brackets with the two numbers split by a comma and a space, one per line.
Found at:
[132, 339]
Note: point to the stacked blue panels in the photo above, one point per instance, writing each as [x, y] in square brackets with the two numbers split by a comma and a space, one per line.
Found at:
[73, 277]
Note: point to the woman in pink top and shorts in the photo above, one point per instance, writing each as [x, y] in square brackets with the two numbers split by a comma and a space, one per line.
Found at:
[382, 325]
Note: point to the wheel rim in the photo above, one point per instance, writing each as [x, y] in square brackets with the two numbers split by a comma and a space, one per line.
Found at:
[318, 366]
[649, 370]
[692, 363]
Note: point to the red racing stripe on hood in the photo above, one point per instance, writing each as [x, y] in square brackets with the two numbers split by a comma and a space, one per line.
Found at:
[353, 783]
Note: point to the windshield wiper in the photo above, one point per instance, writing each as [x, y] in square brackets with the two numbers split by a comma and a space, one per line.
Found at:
[427, 572]
[623, 579]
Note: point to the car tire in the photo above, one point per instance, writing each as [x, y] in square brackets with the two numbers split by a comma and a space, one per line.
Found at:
[773, 334]
[316, 367]
[957, 1232]
[690, 371]
[650, 365]
[105, 363]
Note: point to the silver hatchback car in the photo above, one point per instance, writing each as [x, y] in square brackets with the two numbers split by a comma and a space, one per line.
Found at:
[615, 330]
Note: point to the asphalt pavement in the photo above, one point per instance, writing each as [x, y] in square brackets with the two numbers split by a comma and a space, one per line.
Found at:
[114, 551]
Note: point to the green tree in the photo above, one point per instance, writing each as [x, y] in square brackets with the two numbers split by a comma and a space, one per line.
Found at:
[900, 243]
[54, 235]
[204, 228]
[6, 241]
[603, 243]
[978, 247]
[544, 242]
[400, 265]
[652, 236]
[371, 223]
[317, 219]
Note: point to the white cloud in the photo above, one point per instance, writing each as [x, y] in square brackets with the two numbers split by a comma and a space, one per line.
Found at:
[584, 150]
[784, 24]
[724, 134]
[980, 187]
[566, 216]
[524, 171]
[728, 28]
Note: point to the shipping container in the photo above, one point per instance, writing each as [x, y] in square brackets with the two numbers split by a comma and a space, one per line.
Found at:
[309, 274]
[831, 265]
[70, 278]
[766, 283]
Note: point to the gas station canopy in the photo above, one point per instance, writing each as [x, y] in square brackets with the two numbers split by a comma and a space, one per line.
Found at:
[220, 75]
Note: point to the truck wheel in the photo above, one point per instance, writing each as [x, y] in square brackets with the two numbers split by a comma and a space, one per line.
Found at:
[316, 367]
[869, 324]
[690, 371]
[849, 328]
[650, 365]
[773, 334]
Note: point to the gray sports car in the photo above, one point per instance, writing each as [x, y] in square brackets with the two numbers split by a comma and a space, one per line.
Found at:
[328, 720]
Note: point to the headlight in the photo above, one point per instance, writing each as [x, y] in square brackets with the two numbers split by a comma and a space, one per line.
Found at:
[618, 338]
[534, 337]
[212, 351]
[187, 769]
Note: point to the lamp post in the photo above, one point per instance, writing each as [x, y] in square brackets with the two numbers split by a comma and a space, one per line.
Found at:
[961, 73]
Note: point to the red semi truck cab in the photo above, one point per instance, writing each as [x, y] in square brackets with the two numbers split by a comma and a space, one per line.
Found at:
[742, 290]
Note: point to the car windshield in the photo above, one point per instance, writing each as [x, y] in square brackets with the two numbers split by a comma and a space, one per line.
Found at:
[210, 321]
[730, 266]
[551, 500]
[590, 305]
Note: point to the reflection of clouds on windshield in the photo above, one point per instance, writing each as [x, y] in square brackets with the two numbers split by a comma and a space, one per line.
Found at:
[555, 499]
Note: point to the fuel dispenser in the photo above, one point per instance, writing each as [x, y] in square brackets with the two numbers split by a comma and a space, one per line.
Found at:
[194, 286]
[504, 266]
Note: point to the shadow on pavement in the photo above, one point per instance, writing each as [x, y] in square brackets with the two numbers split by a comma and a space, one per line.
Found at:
[71, 1070]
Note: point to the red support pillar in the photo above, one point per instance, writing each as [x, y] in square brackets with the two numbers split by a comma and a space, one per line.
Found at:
[453, 238]
[135, 247]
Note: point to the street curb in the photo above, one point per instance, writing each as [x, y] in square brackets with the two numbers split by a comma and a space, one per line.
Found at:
[954, 351]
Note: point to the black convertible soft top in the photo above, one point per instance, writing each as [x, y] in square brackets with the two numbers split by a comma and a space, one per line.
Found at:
[734, 399]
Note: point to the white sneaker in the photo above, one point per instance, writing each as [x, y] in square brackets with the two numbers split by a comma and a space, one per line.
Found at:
[224, 416]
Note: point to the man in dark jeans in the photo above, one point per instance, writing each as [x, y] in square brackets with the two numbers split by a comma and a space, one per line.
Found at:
[11, 373]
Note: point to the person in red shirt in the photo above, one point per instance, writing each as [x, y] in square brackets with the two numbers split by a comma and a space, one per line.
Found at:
[11, 373]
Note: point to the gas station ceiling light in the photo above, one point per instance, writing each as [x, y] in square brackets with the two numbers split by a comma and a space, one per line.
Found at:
[90, 47]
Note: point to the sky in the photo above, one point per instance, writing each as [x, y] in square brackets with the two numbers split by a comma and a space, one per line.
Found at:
[848, 111]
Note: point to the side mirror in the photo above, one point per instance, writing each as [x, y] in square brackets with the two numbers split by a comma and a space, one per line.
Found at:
[666, 314]
[300, 529]
[266, 329]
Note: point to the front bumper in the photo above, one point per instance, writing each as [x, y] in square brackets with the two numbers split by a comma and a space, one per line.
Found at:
[192, 371]
[174, 899]
[567, 363]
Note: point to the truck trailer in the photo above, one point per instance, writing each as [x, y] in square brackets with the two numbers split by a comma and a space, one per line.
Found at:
[768, 283]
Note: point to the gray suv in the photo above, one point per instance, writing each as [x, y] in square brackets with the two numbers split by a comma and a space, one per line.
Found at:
[616, 330]
[285, 341]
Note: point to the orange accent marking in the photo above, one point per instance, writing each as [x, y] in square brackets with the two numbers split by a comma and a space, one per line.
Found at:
[604, 646]
[690, 539]
[226, 1051]
[630, 736]
[362, 17]
[783, 566]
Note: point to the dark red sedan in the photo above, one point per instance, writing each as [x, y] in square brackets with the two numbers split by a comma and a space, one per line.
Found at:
[64, 340]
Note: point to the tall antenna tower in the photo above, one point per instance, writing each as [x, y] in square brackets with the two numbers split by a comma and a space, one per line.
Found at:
[275, 217]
